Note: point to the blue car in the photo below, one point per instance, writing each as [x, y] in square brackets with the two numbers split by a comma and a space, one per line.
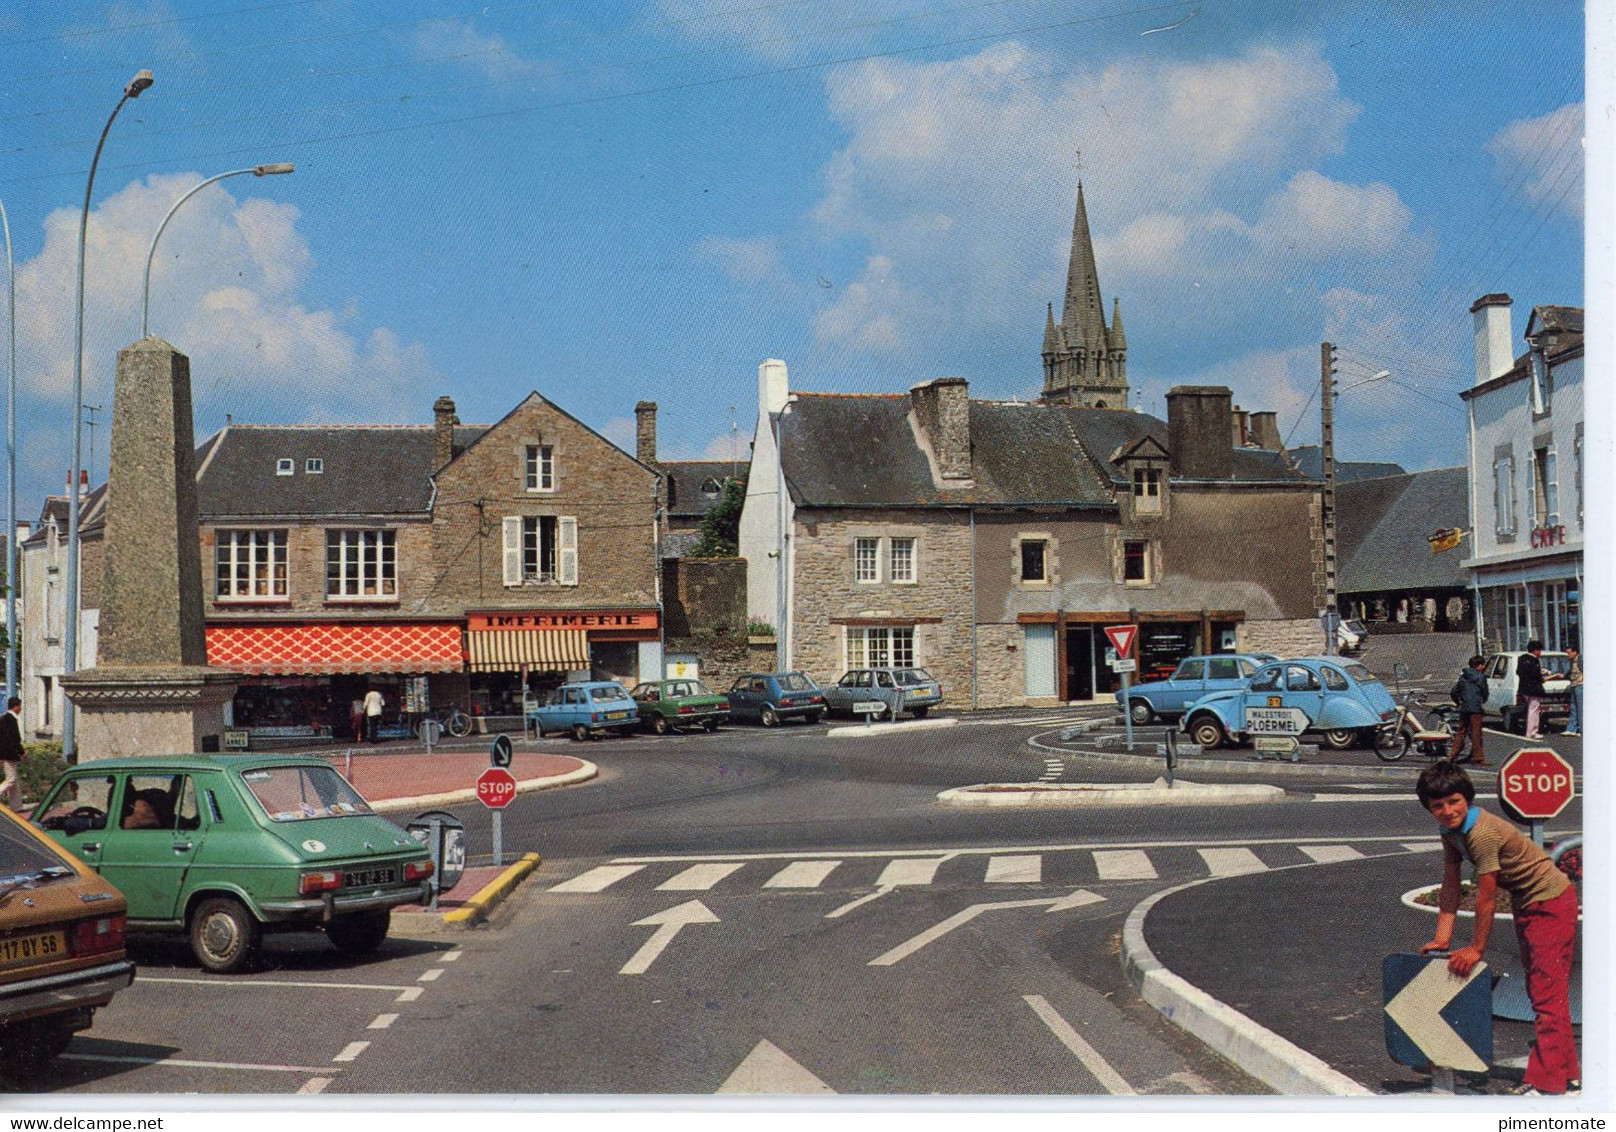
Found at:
[1195, 677]
[1341, 700]
[587, 709]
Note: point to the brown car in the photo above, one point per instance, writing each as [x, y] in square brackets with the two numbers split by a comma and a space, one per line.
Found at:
[61, 946]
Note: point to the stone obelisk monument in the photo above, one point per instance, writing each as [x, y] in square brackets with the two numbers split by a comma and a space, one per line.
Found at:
[151, 691]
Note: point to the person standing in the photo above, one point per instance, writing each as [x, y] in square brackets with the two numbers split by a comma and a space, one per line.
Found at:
[373, 714]
[1470, 696]
[11, 753]
[1574, 724]
[1529, 687]
[356, 720]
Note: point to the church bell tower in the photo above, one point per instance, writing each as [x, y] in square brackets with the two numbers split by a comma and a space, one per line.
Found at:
[1085, 362]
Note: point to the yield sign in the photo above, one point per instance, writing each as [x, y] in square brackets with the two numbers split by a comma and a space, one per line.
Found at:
[1437, 1018]
[1122, 637]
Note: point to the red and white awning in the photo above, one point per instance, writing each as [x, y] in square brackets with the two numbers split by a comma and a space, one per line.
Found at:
[324, 648]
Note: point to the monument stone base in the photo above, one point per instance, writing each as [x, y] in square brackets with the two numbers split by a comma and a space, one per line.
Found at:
[131, 711]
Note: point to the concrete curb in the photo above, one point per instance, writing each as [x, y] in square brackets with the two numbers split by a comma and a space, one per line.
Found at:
[859, 730]
[492, 893]
[448, 798]
[1404, 771]
[1156, 793]
[1277, 1063]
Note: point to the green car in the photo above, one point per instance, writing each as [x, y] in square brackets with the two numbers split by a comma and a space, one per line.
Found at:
[227, 847]
[668, 705]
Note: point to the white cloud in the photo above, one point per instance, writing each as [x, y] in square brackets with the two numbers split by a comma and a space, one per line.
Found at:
[1542, 157]
[1320, 217]
[869, 311]
[454, 42]
[748, 261]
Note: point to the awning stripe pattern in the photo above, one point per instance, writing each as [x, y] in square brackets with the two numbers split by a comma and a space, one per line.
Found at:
[545, 649]
[336, 648]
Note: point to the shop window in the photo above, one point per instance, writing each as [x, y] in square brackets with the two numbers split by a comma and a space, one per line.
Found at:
[901, 560]
[1136, 561]
[866, 560]
[250, 565]
[540, 467]
[880, 646]
[361, 565]
[541, 550]
[1147, 498]
[1034, 560]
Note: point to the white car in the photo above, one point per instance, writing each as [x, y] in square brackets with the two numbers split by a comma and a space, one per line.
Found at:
[1503, 684]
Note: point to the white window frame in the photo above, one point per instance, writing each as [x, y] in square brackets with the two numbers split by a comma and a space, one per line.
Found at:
[909, 573]
[1551, 487]
[1542, 384]
[522, 546]
[1147, 497]
[285, 466]
[260, 555]
[866, 560]
[314, 466]
[879, 646]
[372, 554]
[1504, 495]
[540, 468]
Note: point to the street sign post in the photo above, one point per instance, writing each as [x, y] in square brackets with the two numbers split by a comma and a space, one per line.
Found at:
[1121, 638]
[496, 786]
[1275, 721]
[869, 709]
[1534, 785]
[1437, 1018]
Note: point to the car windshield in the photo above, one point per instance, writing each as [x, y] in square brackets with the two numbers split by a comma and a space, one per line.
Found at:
[795, 682]
[298, 793]
[607, 694]
[1558, 665]
[911, 676]
[1361, 674]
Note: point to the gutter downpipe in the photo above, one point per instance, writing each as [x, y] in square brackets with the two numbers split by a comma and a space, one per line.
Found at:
[975, 618]
[1475, 532]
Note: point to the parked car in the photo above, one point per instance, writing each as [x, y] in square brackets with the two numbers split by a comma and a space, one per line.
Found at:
[61, 946]
[1194, 678]
[588, 709]
[1343, 702]
[897, 689]
[668, 705]
[1503, 686]
[227, 847]
[769, 697]
[1351, 635]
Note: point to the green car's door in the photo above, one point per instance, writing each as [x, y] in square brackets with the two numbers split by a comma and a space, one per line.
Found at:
[149, 848]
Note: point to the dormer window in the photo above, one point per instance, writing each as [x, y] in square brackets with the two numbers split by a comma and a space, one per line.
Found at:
[711, 487]
[285, 466]
[314, 466]
[1542, 381]
[1147, 491]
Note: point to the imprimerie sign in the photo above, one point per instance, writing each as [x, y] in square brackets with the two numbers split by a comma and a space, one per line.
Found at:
[583, 619]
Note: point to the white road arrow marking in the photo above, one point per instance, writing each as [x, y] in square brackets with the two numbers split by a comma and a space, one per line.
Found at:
[1415, 1008]
[667, 926]
[768, 1070]
[1073, 899]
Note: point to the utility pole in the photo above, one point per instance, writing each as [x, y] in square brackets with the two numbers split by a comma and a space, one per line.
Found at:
[1327, 355]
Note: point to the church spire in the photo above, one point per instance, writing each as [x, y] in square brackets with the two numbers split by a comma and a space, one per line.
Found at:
[1051, 335]
[1083, 316]
[1118, 340]
[1085, 363]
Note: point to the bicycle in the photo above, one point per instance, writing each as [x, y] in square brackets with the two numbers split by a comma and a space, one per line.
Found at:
[1433, 737]
[450, 720]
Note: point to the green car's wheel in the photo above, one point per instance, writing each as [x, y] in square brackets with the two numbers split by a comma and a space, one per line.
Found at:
[224, 935]
[710, 725]
[660, 724]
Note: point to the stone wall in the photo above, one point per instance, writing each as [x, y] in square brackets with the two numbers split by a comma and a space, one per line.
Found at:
[704, 596]
[306, 571]
[1301, 637]
[722, 660]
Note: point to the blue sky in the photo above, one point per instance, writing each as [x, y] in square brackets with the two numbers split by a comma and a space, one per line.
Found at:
[610, 203]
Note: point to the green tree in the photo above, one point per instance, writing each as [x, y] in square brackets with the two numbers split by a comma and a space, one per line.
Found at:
[721, 526]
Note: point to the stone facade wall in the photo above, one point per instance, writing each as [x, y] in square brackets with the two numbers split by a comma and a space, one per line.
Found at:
[306, 572]
[704, 595]
[1300, 637]
[938, 604]
[1001, 674]
[723, 659]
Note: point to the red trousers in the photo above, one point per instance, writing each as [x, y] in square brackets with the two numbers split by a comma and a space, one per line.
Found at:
[1547, 932]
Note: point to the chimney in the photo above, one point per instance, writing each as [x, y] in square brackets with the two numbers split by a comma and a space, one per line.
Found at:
[1198, 432]
[443, 424]
[1239, 429]
[1495, 352]
[773, 386]
[645, 433]
[1265, 431]
[943, 408]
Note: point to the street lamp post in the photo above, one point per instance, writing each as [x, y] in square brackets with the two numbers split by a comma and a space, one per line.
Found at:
[11, 462]
[145, 286]
[70, 644]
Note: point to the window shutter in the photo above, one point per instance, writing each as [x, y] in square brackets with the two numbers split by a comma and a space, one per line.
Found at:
[513, 549]
[567, 563]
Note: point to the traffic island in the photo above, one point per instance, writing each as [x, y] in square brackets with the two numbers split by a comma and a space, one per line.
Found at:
[1158, 793]
[480, 891]
[870, 730]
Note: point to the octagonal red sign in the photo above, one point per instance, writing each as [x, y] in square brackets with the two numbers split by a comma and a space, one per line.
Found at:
[1535, 783]
[496, 787]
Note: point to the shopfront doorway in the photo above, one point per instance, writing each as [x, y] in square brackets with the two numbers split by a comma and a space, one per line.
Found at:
[1087, 675]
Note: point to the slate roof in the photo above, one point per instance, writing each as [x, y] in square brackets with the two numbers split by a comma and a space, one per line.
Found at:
[859, 450]
[369, 470]
[686, 499]
[1310, 462]
[1382, 527]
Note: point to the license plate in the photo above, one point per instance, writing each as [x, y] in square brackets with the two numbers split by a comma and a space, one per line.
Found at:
[32, 948]
[617, 715]
[364, 878]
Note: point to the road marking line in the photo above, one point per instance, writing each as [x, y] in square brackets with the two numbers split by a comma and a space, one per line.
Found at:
[186, 1063]
[1399, 796]
[802, 874]
[1422, 846]
[250, 983]
[851, 904]
[668, 924]
[409, 994]
[351, 1051]
[768, 1070]
[382, 1021]
[449, 956]
[697, 878]
[431, 976]
[1124, 864]
[1329, 854]
[315, 1085]
[1231, 862]
[1015, 870]
[911, 870]
[1074, 899]
[1108, 1077]
[596, 879]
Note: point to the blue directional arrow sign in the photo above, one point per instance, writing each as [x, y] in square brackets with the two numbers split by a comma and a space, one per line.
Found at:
[1436, 1018]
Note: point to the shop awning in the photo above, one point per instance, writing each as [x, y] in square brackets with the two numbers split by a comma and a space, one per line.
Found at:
[507, 650]
[336, 647]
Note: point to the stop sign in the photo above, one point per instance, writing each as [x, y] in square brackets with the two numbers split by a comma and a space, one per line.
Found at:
[1535, 783]
[496, 787]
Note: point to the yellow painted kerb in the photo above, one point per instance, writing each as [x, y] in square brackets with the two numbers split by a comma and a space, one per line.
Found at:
[494, 891]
